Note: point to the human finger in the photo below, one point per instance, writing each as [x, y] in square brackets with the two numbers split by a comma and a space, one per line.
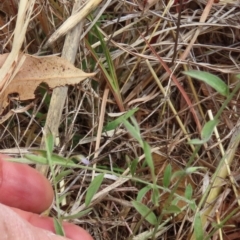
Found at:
[13, 227]
[23, 187]
[71, 231]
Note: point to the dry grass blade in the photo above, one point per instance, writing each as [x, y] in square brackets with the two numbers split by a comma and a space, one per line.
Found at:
[100, 126]
[86, 7]
[59, 94]
[221, 174]
[202, 20]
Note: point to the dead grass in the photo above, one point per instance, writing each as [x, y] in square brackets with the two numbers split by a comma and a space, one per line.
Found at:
[165, 116]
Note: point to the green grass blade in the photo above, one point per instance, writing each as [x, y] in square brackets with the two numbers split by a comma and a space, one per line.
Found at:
[36, 159]
[115, 91]
[49, 141]
[149, 160]
[212, 80]
[93, 188]
[114, 124]
[198, 228]
[208, 129]
[132, 130]
[112, 72]
[155, 195]
[145, 212]
[133, 166]
[78, 215]
[172, 209]
[63, 174]
[41, 157]
[188, 192]
[167, 176]
[206, 132]
[142, 193]
[58, 227]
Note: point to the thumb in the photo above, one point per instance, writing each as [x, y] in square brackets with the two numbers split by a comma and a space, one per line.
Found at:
[13, 227]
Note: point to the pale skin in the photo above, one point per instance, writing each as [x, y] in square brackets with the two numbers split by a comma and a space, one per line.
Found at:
[24, 195]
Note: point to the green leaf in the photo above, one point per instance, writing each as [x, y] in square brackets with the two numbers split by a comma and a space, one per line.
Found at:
[20, 160]
[145, 212]
[63, 174]
[198, 228]
[133, 166]
[135, 123]
[41, 157]
[191, 170]
[113, 77]
[208, 129]
[36, 159]
[188, 192]
[167, 176]
[193, 206]
[148, 157]
[172, 209]
[93, 188]
[49, 143]
[114, 124]
[133, 131]
[155, 196]
[57, 160]
[78, 215]
[212, 80]
[58, 227]
[206, 133]
[110, 74]
[142, 193]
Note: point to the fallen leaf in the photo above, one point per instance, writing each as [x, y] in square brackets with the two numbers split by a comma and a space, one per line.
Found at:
[52, 70]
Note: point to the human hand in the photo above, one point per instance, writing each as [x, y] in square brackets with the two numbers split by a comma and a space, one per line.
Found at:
[24, 194]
